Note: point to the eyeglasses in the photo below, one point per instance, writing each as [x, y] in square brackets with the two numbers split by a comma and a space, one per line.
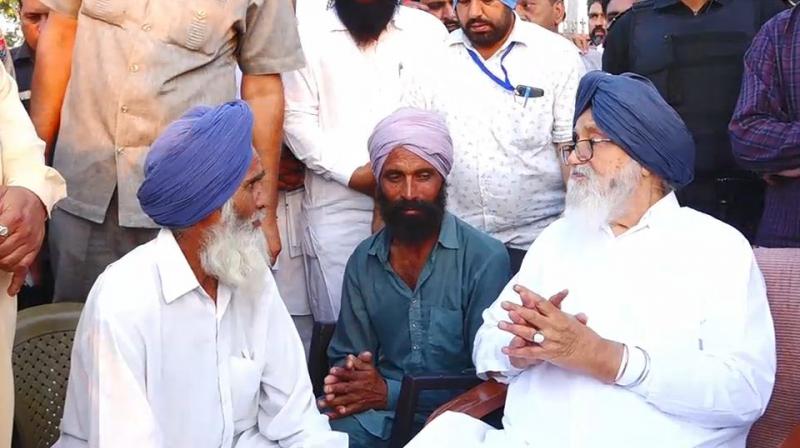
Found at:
[584, 149]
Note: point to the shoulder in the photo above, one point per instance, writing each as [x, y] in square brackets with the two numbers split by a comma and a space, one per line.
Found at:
[778, 23]
[362, 252]
[128, 288]
[538, 38]
[479, 243]
[419, 24]
[770, 8]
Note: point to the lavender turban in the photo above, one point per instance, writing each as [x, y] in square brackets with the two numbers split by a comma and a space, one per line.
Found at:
[197, 164]
[422, 132]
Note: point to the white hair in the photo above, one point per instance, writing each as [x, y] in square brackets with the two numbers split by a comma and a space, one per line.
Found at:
[596, 201]
[235, 252]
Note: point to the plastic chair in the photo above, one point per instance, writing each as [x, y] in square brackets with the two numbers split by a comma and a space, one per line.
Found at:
[41, 361]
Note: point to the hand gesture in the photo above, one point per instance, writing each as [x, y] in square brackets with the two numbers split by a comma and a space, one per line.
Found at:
[568, 342]
[354, 387]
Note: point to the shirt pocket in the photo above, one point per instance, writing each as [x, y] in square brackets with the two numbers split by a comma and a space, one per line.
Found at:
[198, 25]
[109, 11]
[446, 334]
[245, 383]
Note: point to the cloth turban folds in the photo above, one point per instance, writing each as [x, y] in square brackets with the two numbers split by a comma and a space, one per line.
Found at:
[197, 164]
[629, 109]
[424, 133]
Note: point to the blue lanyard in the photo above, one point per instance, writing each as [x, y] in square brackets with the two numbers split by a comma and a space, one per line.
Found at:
[504, 83]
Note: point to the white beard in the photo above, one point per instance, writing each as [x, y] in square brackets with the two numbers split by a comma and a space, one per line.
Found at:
[235, 252]
[595, 202]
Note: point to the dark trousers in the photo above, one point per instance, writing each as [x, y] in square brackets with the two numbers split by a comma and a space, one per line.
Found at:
[737, 200]
[516, 256]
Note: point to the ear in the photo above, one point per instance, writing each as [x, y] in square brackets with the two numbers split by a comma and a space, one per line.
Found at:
[646, 173]
[561, 13]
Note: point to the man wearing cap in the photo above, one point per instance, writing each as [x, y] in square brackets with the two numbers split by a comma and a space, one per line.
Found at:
[665, 338]
[185, 341]
[414, 292]
[506, 89]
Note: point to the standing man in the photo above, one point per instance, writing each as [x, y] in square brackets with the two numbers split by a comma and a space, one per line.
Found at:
[546, 13]
[692, 50]
[356, 53]
[33, 17]
[765, 130]
[29, 190]
[507, 111]
[615, 8]
[111, 74]
[441, 9]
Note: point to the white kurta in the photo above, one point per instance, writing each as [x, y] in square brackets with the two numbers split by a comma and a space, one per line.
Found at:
[681, 285]
[506, 178]
[157, 364]
[332, 106]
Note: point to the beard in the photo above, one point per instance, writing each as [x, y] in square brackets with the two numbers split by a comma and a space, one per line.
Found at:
[496, 33]
[413, 228]
[597, 35]
[365, 20]
[594, 202]
[235, 252]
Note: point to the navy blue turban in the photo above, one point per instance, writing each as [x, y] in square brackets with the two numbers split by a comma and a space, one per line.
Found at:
[629, 109]
[197, 164]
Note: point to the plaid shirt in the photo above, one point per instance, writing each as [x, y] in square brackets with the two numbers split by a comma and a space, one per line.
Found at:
[765, 130]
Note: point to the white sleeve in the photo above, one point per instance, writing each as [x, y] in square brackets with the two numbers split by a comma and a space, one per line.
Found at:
[566, 90]
[490, 340]
[288, 412]
[729, 381]
[106, 402]
[329, 154]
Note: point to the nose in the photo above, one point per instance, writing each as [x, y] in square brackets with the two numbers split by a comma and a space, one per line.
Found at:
[572, 159]
[448, 11]
[409, 191]
[260, 197]
[475, 10]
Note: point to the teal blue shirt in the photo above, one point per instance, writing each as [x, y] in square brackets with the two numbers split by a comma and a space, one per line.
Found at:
[428, 329]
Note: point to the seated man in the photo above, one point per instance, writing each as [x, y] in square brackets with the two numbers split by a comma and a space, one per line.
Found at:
[679, 348]
[185, 341]
[414, 292]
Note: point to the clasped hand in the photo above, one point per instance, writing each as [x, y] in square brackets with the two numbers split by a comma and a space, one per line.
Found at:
[23, 213]
[568, 342]
[354, 387]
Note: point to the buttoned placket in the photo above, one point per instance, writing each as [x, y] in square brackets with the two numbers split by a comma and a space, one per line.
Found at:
[223, 380]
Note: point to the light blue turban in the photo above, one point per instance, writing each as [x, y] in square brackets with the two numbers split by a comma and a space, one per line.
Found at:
[197, 164]
[630, 110]
[422, 132]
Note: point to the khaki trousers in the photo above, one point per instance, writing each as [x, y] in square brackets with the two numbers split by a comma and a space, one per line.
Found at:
[8, 321]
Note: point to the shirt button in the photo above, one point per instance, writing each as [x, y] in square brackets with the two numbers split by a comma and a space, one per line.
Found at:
[147, 27]
[416, 347]
[124, 109]
[200, 14]
[120, 150]
[134, 68]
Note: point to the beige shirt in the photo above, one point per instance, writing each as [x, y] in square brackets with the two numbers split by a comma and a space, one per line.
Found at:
[22, 155]
[137, 66]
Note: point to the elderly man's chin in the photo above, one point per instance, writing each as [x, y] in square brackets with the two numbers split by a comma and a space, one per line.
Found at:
[235, 253]
[593, 202]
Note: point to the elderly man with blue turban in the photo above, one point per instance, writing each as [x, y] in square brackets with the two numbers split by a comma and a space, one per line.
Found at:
[185, 341]
[634, 322]
[414, 292]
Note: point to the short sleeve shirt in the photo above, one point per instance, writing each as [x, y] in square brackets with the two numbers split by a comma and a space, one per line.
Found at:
[139, 65]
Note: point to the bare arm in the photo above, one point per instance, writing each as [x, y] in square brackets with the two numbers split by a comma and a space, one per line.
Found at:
[264, 94]
[51, 76]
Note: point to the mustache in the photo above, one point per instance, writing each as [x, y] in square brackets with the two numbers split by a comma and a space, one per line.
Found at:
[471, 22]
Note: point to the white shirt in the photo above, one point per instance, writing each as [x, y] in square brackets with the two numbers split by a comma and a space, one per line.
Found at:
[332, 106]
[681, 285]
[506, 179]
[156, 364]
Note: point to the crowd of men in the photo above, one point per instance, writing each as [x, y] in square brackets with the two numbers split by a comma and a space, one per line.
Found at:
[459, 186]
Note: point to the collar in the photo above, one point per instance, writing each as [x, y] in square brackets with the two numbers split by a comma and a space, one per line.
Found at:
[654, 216]
[22, 52]
[518, 35]
[400, 19]
[660, 4]
[177, 278]
[448, 239]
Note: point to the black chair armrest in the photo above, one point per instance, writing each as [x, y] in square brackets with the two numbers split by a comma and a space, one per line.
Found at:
[318, 354]
[409, 396]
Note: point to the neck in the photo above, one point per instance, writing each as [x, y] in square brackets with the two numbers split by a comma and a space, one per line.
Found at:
[408, 259]
[489, 51]
[695, 5]
[639, 203]
[417, 250]
[191, 244]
